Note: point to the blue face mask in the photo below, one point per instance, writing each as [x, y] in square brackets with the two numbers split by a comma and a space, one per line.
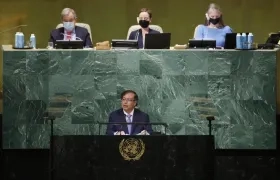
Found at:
[68, 26]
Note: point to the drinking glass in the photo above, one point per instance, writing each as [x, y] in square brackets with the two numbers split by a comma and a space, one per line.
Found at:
[50, 45]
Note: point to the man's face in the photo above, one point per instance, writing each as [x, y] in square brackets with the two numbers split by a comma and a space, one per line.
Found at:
[128, 102]
[69, 18]
[69, 22]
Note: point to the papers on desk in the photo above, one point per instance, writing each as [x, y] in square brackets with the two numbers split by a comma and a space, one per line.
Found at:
[142, 133]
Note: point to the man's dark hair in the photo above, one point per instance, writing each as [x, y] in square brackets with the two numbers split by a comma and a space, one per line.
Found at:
[130, 91]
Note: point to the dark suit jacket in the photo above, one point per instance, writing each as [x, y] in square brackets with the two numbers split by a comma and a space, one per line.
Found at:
[57, 34]
[138, 33]
[118, 116]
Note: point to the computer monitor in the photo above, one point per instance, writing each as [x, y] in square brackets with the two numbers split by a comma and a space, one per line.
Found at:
[273, 38]
[66, 44]
[124, 44]
[195, 43]
[230, 41]
[157, 41]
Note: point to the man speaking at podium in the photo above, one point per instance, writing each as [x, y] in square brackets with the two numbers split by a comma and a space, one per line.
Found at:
[129, 114]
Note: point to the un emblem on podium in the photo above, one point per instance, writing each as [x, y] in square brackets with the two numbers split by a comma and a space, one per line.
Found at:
[132, 149]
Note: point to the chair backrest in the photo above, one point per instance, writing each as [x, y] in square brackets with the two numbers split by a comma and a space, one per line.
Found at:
[84, 25]
[136, 27]
[195, 31]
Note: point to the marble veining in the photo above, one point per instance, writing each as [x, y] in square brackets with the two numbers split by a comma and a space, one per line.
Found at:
[180, 88]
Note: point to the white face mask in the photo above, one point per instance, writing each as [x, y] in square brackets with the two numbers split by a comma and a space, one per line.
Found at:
[69, 26]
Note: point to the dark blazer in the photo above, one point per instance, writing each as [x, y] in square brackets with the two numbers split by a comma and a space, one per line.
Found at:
[57, 34]
[138, 34]
[118, 116]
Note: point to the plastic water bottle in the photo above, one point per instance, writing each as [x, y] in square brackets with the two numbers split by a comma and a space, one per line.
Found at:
[250, 40]
[21, 40]
[238, 41]
[17, 40]
[244, 41]
[33, 41]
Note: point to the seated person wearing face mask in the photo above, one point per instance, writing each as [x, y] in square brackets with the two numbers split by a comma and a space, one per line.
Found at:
[69, 31]
[144, 20]
[214, 27]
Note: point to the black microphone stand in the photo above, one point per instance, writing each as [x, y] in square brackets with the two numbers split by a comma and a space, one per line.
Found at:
[51, 118]
[210, 119]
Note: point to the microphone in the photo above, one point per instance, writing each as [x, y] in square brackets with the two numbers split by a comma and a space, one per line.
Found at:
[7, 30]
[67, 35]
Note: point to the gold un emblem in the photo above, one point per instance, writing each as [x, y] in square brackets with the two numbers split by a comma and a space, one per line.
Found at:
[132, 149]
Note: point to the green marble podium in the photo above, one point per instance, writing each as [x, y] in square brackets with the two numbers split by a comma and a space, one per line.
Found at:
[178, 87]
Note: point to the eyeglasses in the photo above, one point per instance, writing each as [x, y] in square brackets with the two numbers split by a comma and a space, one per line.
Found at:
[128, 100]
[143, 18]
[71, 20]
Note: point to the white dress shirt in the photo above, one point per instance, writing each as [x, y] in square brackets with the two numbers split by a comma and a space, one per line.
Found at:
[126, 118]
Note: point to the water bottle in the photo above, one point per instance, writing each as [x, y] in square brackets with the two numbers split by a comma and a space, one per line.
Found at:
[238, 41]
[17, 40]
[250, 40]
[21, 40]
[244, 41]
[33, 41]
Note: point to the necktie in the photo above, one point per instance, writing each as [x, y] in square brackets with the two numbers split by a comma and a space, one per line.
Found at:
[68, 37]
[129, 121]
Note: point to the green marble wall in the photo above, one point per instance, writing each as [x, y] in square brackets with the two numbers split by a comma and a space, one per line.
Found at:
[111, 19]
[180, 88]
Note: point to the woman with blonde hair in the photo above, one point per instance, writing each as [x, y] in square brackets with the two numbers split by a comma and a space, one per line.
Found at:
[214, 27]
